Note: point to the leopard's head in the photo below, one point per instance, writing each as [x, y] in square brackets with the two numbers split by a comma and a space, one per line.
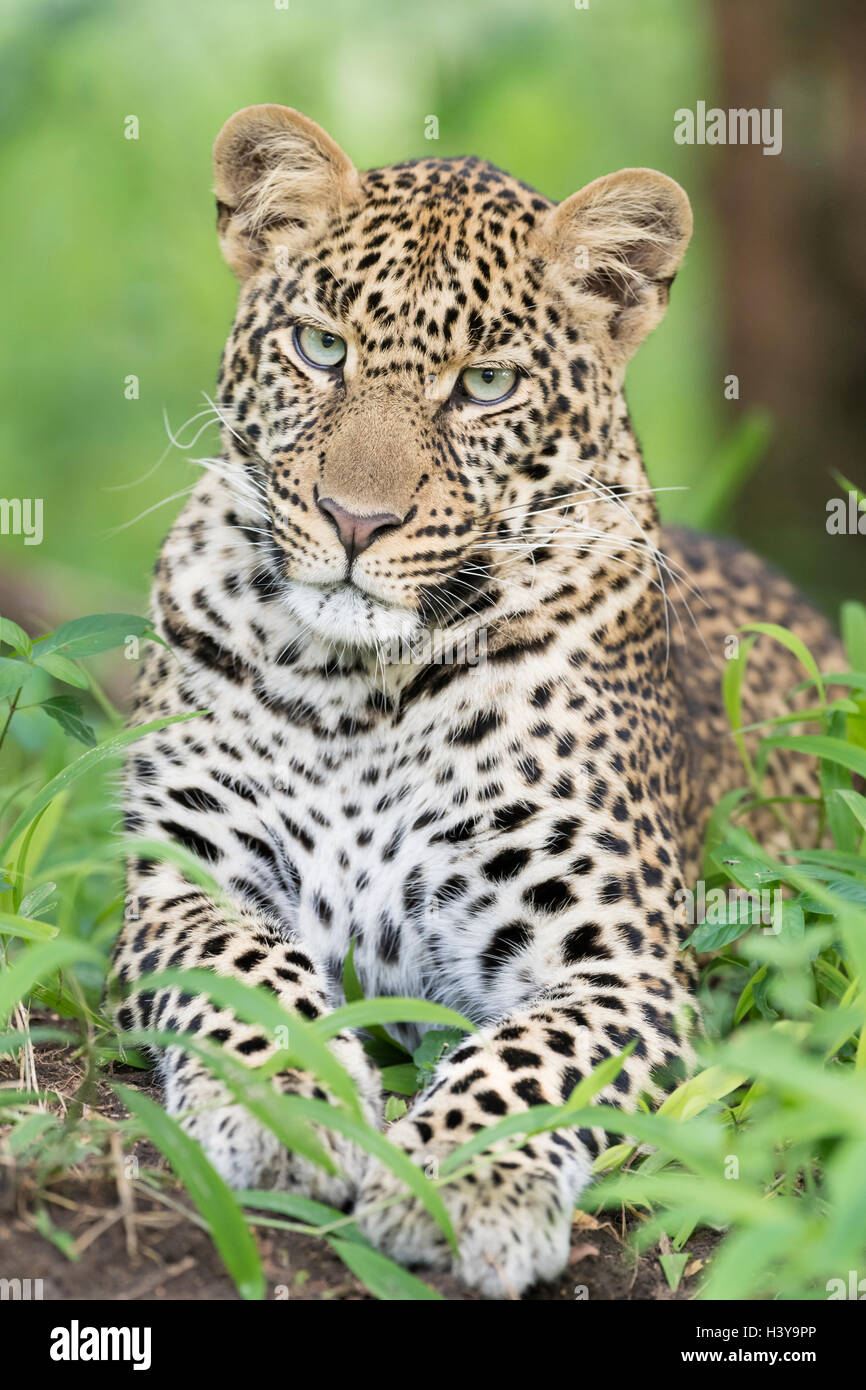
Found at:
[423, 382]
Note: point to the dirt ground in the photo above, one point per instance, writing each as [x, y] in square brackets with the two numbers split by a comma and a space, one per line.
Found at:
[121, 1241]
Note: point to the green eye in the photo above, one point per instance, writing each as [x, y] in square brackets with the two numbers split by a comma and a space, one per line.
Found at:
[318, 347]
[488, 385]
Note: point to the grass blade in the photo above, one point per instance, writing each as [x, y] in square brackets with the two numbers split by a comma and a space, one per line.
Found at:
[385, 1279]
[366, 1012]
[290, 1032]
[209, 1192]
[372, 1141]
[820, 746]
[84, 764]
[36, 963]
[795, 646]
[25, 927]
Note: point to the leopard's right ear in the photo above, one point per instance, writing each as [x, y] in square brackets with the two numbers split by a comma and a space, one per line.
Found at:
[278, 177]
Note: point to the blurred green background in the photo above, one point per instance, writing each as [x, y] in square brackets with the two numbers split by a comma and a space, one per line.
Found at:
[112, 267]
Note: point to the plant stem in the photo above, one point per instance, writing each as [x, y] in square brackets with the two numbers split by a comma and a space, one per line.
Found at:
[12, 708]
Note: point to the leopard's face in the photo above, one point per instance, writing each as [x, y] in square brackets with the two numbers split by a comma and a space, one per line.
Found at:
[420, 380]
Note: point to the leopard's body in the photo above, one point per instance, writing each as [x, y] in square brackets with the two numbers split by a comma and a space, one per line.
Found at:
[504, 831]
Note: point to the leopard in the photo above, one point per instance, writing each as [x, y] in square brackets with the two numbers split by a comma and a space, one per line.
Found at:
[442, 691]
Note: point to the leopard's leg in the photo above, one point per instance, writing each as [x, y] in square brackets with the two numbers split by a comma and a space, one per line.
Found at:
[187, 786]
[512, 1216]
[171, 923]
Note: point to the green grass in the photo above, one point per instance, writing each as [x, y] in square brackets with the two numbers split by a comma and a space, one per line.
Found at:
[766, 1141]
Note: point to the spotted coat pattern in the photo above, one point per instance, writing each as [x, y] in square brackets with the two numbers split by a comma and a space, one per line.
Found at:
[502, 831]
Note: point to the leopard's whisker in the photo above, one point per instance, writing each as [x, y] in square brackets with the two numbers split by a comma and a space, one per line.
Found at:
[125, 525]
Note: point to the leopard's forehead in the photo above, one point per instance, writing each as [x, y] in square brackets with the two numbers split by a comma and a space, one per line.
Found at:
[457, 188]
[438, 246]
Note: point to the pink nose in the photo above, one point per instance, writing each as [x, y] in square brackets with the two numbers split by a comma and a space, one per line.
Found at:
[357, 532]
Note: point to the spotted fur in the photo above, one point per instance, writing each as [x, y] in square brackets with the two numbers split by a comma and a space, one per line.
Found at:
[502, 835]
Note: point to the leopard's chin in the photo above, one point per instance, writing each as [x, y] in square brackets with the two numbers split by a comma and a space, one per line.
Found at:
[345, 616]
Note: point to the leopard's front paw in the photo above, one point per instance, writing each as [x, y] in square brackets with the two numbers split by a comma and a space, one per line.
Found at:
[248, 1155]
[512, 1216]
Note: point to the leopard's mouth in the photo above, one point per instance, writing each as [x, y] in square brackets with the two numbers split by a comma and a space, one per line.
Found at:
[336, 609]
[348, 615]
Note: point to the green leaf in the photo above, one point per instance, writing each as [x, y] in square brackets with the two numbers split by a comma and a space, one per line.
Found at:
[13, 674]
[252, 1087]
[128, 1056]
[828, 863]
[64, 1240]
[746, 1001]
[718, 826]
[795, 645]
[385, 1279]
[539, 1118]
[602, 1075]
[793, 920]
[294, 1205]
[372, 1141]
[612, 1157]
[673, 1266]
[164, 851]
[853, 623]
[14, 924]
[14, 637]
[804, 716]
[378, 1044]
[750, 873]
[351, 984]
[10, 1042]
[10, 1098]
[854, 680]
[847, 484]
[433, 1047]
[714, 936]
[402, 1078]
[88, 636]
[693, 1096]
[24, 1138]
[776, 1057]
[38, 962]
[363, 1014]
[832, 778]
[84, 764]
[846, 888]
[732, 695]
[523, 1123]
[37, 900]
[211, 1195]
[68, 714]
[835, 749]
[257, 1005]
[61, 668]
[33, 843]
[856, 804]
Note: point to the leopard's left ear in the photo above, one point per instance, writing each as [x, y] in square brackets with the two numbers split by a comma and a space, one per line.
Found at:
[278, 177]
[619, 243]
